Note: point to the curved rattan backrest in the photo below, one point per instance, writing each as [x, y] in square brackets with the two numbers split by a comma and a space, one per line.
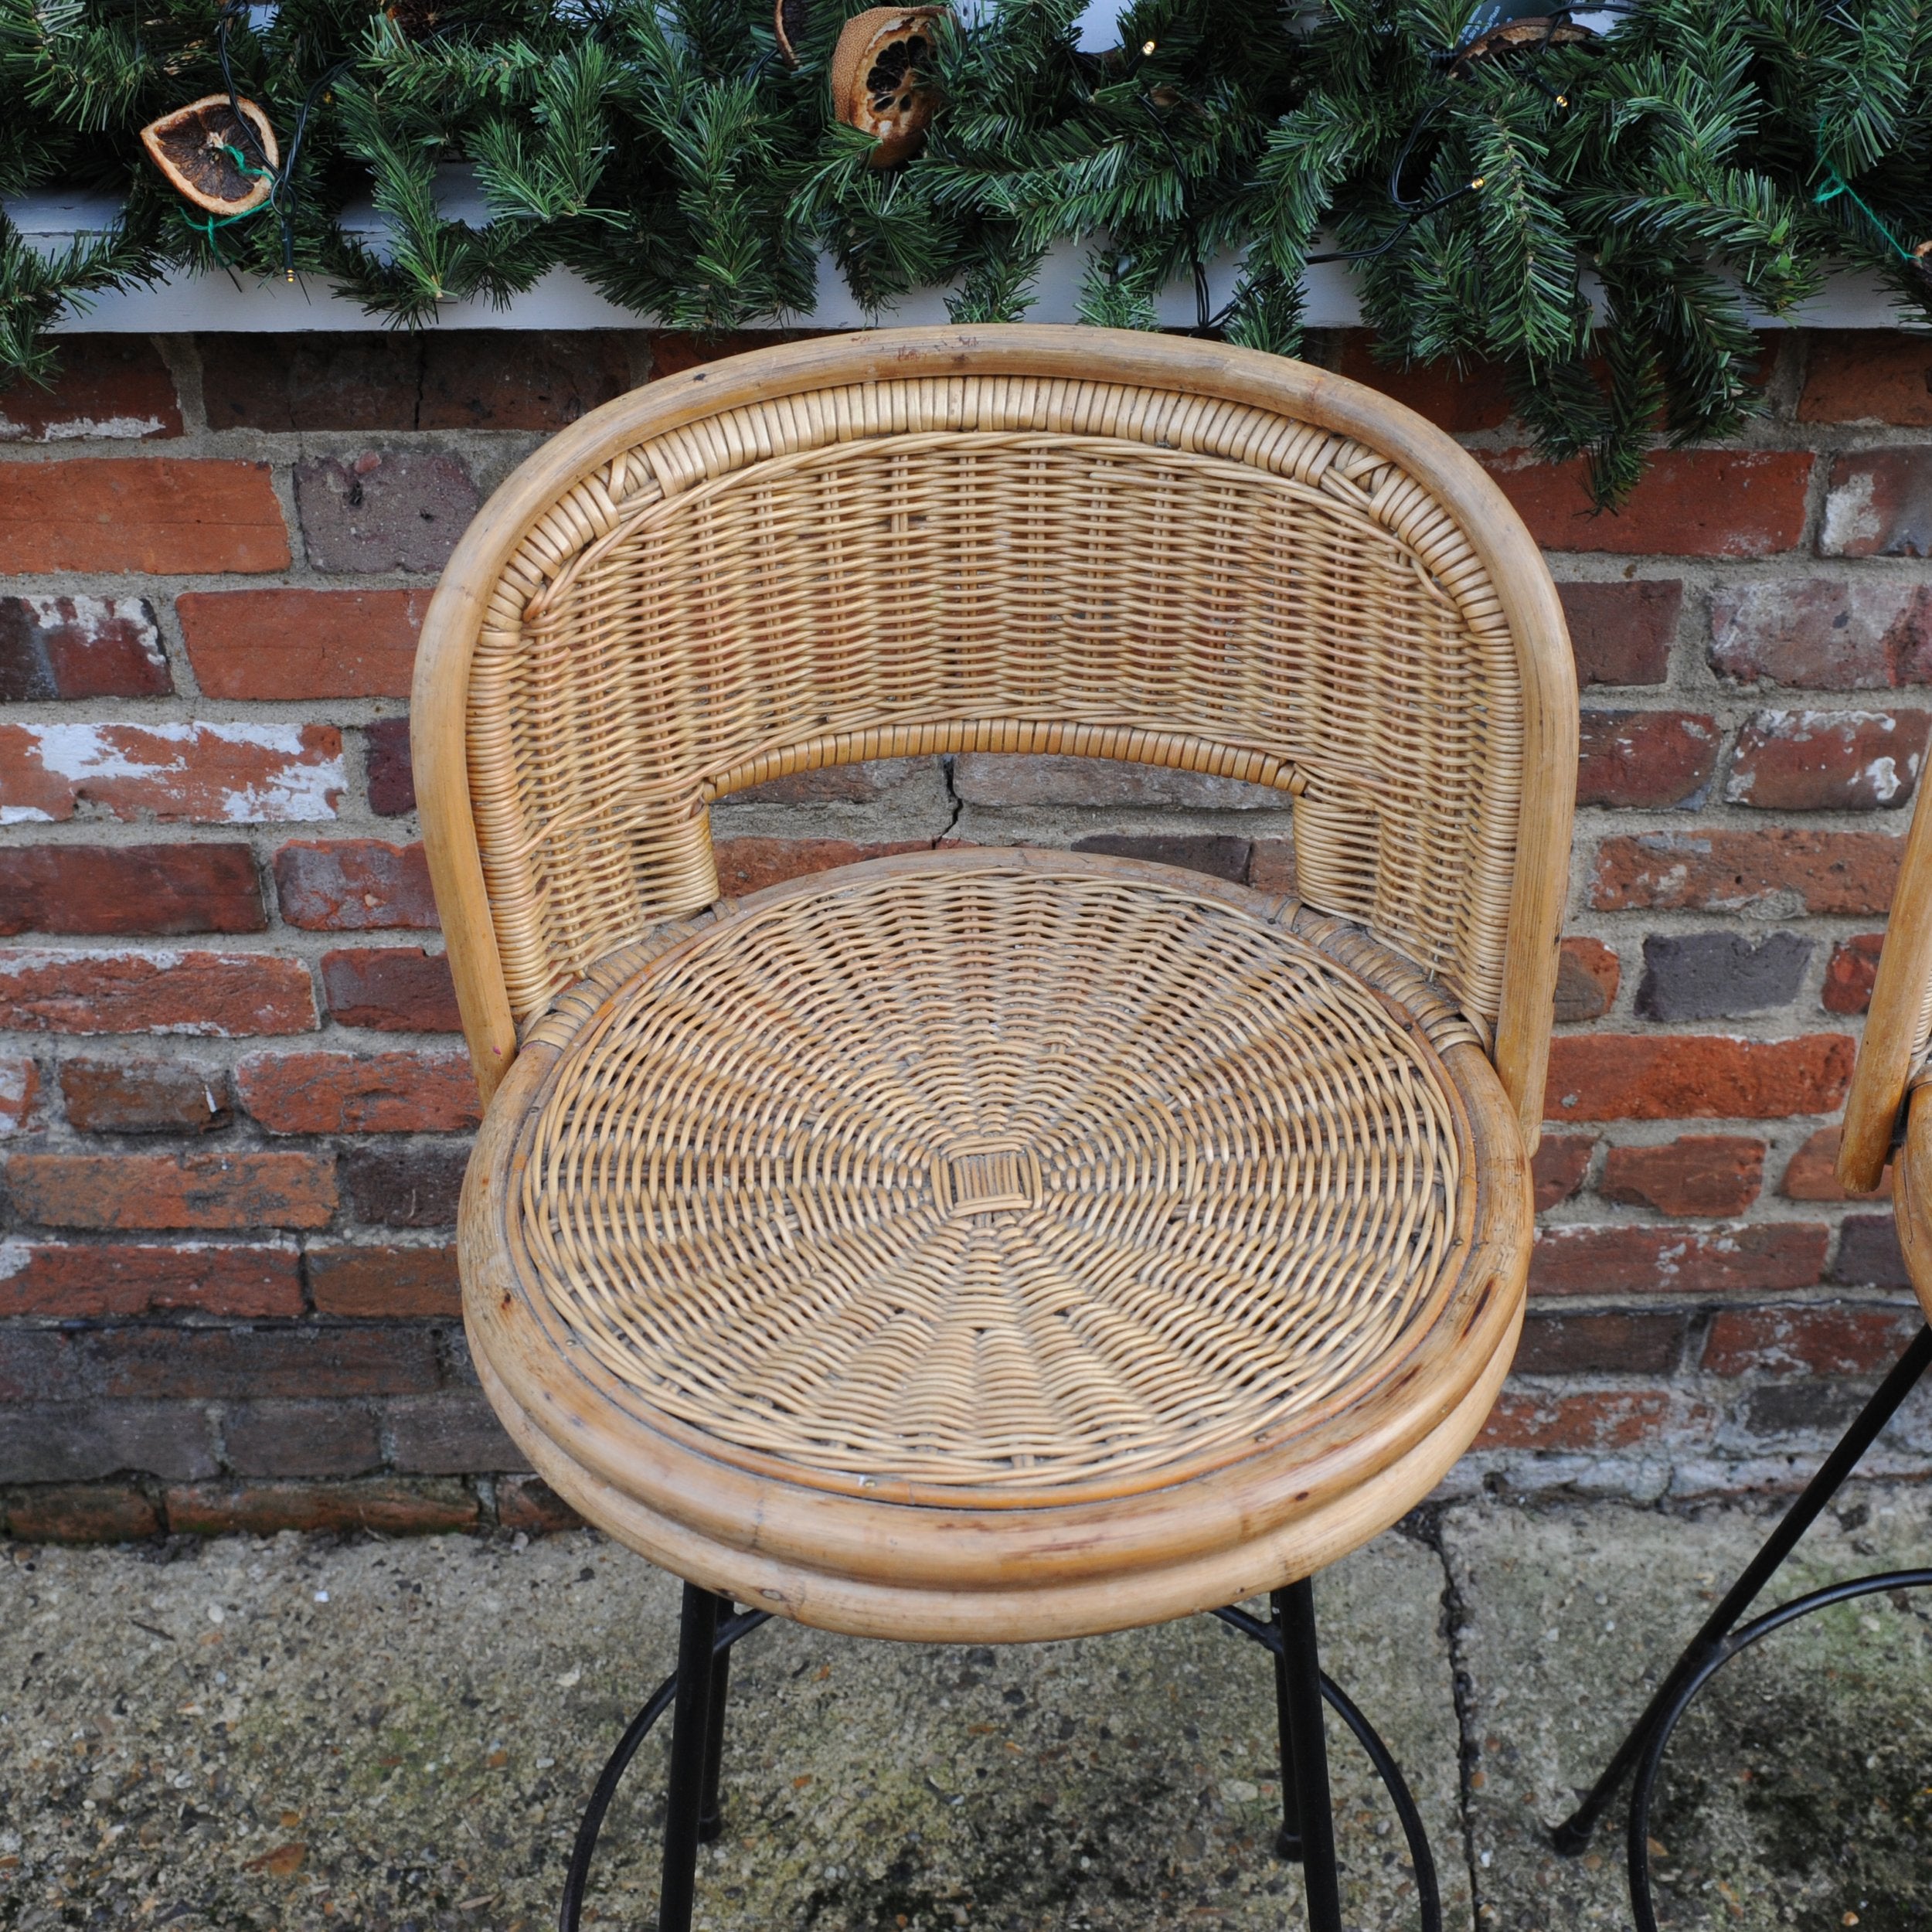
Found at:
[1898, 1030]
[1005, 539]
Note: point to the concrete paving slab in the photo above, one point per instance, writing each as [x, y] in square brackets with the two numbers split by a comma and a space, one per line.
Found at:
[284, 1735]
[1798, 1793]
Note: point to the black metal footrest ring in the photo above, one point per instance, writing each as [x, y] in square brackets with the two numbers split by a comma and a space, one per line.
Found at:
[1740, 1639]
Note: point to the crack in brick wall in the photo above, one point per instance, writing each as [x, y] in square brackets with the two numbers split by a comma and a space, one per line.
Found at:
[235, 1112]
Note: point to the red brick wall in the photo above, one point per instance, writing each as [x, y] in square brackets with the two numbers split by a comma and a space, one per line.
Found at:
[235, 1108]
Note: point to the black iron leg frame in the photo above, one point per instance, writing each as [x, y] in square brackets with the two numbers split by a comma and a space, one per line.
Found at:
[1720, 1640]
[698, 1687]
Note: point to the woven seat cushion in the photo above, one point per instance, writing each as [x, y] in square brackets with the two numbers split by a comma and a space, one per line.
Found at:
[979, 1182]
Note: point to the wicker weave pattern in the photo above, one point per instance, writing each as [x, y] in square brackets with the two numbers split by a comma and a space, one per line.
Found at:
[842, 1187]
[999, 562]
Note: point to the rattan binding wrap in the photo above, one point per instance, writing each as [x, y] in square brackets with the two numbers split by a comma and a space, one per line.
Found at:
[868, 569]
[970, 1178]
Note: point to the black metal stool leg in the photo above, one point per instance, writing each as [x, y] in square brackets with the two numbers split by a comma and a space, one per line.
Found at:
[1287, 1842]
[690, 1748]
[710, 1818]
[1308, 1749]
[1573, 1834]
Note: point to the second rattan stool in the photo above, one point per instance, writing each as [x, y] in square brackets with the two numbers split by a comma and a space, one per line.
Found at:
[998, 1245]
[1888, 1118]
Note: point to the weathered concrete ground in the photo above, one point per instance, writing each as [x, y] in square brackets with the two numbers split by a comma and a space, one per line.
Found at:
[288, 1734]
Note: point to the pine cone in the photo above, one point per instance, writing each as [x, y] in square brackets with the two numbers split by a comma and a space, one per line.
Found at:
[195, 147]
[882, 78]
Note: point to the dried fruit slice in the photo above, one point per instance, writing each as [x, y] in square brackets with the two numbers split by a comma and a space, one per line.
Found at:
[882, 77]
[195, 147]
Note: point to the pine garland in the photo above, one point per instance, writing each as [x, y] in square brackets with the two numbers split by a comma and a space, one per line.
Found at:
[1599, 214]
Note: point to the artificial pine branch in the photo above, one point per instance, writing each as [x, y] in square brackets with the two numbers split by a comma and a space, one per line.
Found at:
[1648, 197]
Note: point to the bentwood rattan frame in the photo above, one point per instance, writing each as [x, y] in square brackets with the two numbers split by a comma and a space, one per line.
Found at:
[997, 1246]
[1888, 1119]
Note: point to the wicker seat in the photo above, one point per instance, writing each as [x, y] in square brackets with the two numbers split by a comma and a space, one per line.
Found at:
[996, 1244]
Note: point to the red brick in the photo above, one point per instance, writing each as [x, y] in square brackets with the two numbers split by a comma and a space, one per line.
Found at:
[675, 350]
[83, 1441]
[395, 989]
[1636, 1077]
[302, 644]
[19, 1094]
[1209, 852]
[199, 1190]
[1615, 1342]
[1779, 871]
[91, 1280]
[1459, 401]
[1650, 760]
[1271, 865]
[125, 890]
[454, 1432]
[323, 381]
[384, 1281]
[744, 865]
[1587, 976]
[1709, 1175]
[219, 995]
[1867, 376]
[400, 1093]
[1879, 504]
[1759, 1259]
[1851, 973]
[77, 1512]
[223, 773]
[999, 778]
[864, 783]
[1869, 1254]
[79, 647]
[384, 1505]
[1622, 633]
[1824, 634]
[409, 1184]
[112, 387]
[1559, 1165]
[488, 378]
[528, 1503]
[354, 885]
[1831, 1341]
[314, 1364]
[144, 1097]
[1827, 761]
[163, 515]
[43, 1365]
[1811, 1174]
[1728, 503]
[1591, 1421]
[396, 509]
[285, 1438]
[391, 783]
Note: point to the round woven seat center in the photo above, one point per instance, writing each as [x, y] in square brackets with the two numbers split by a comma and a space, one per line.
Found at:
[1016, 1180]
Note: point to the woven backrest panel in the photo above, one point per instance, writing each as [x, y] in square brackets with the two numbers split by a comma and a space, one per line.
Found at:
[995, 562]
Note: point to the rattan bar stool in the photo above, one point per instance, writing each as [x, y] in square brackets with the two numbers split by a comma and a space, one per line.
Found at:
[1888, 1117]
[989, 1245]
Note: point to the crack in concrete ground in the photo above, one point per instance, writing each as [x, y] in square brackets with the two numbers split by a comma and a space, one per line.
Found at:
[278, 1735]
